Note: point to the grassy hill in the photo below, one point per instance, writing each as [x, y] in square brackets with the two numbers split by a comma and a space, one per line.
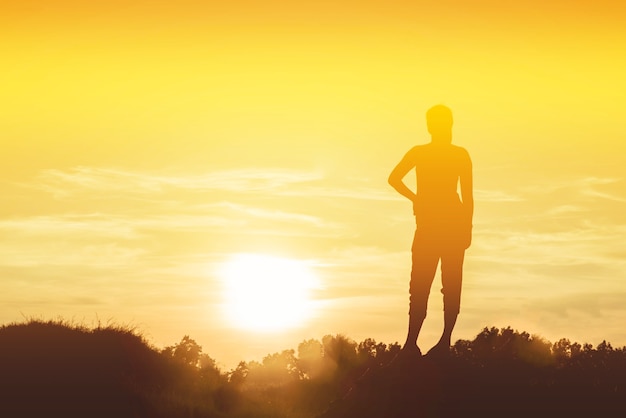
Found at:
[59, 369]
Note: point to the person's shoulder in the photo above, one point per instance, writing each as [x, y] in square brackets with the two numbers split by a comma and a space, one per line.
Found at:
[418, 149]
[460, 151]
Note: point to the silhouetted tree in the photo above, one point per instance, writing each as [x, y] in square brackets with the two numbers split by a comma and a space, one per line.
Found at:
[238, 376]
[310, 358]
[186, 351]
[340, 351]
[278, 369]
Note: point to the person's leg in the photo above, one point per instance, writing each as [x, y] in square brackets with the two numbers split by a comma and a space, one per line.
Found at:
[415, 325]
[451, 279]
[422, 274]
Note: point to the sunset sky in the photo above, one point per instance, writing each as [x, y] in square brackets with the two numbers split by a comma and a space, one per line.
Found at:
[146, 145]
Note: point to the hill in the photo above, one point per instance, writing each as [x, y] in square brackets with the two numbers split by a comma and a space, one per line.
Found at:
[59, 369]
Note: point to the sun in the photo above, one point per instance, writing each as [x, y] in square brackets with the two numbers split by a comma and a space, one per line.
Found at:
[267, 293]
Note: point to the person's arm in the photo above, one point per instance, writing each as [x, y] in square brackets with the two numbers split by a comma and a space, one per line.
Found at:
[397, 175]
[467, 195]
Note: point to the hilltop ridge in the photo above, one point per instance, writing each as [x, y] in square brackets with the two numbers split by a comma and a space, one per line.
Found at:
[55, 368]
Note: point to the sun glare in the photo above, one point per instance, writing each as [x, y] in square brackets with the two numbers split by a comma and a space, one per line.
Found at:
[266, 293]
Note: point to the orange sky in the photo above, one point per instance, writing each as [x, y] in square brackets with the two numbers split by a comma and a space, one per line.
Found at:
[144, 144]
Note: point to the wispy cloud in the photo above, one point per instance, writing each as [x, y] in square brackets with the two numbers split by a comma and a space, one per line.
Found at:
[103, 226]
[603, 195]
[70, 225]
[592, 181]
[63, 253]
[583, 186]
[262, 213]
[496, 196]
[64, 183]
[108, 182]
[347, 192]
[596, 187]
[565, 209]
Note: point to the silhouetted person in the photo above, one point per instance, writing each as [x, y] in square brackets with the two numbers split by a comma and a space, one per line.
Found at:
[443, 222]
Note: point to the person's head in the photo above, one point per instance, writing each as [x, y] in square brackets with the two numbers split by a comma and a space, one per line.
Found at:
[439, 122]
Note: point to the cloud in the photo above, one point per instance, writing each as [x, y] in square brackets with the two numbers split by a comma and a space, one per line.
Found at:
[112, 226]
[565, 209]
[268, 214]
[363, 271]
[347, 192]
[60, 252]
[603, 195]
[70, 225]
[592, 181]
[64, 183]
[582, 186]
[593, 304]
[109, 182]
[496, 196]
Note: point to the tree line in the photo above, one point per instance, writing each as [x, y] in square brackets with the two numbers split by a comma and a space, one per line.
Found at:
[56, 367]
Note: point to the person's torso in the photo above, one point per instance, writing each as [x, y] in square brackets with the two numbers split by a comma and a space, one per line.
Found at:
[438, 169]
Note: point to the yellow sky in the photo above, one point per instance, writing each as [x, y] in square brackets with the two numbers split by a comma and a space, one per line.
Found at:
[143, 145]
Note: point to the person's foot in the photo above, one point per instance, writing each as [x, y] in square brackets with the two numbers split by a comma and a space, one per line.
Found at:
[406, 354]
[411, 349]
[439, 351]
